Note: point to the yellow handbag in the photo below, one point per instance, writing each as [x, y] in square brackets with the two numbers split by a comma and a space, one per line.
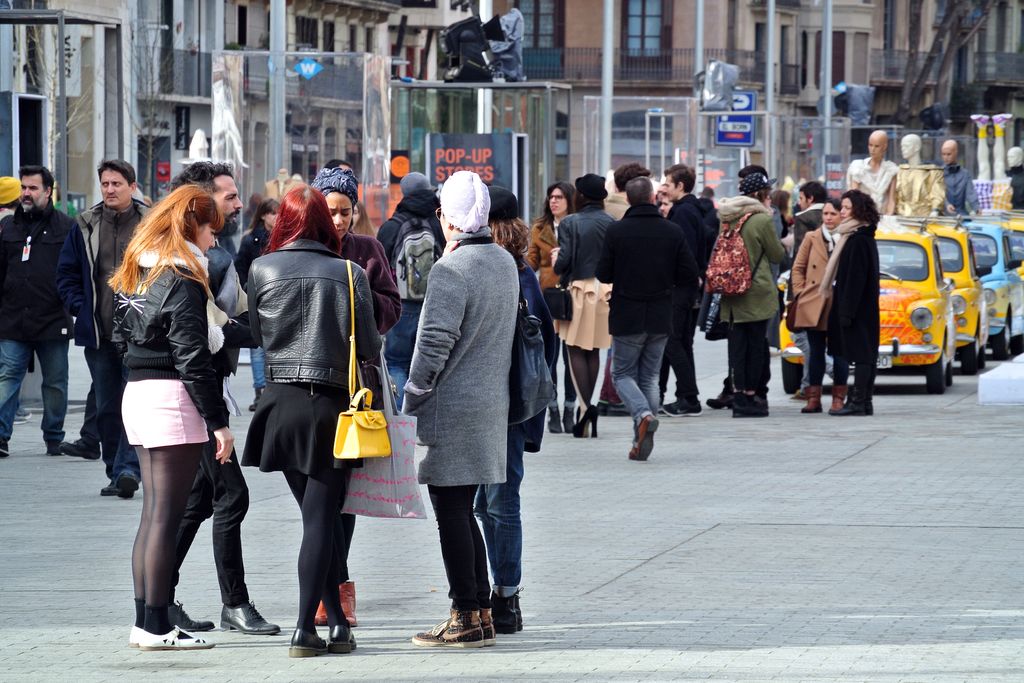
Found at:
[361, 433]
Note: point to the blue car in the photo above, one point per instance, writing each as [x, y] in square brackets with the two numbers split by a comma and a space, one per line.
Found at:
[1004, 289]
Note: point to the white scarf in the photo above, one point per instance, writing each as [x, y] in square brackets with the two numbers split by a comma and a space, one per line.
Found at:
[830, 238]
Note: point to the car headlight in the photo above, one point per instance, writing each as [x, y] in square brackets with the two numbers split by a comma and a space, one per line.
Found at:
[959, 304]
[921, 318]
[990, 296]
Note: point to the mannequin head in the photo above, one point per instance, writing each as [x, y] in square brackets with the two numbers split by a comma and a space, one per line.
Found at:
[949, 152]
[878, 143]
[1014, 157]
[910, 148]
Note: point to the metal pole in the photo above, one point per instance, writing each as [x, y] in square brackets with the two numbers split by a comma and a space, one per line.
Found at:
[647, 138]
[661, 160]
[62, 114]
[122, 152]
[698, 40]
[607, 85]
[769, 92]
[826, 80]
[278, 134]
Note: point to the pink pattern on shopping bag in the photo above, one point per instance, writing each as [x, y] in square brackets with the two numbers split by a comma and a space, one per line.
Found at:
[388, 487]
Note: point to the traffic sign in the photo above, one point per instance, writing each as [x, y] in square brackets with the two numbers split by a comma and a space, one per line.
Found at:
[308, 68]
[737, 130]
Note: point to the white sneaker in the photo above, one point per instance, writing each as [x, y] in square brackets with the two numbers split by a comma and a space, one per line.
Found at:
[175, 639]
[134, 636]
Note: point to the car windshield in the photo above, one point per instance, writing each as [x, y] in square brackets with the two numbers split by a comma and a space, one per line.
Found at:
[1017, 245]
[904, 260]
[952, 255]
[986, 250]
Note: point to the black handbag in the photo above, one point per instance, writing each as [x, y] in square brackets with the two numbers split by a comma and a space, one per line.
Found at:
[559, 302]
[530, 388]
[710, 320]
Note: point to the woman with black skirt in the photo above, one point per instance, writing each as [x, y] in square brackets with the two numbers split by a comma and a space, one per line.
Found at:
[299, 307]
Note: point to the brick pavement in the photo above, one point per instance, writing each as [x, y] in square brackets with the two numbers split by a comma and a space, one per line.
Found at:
[793, 548]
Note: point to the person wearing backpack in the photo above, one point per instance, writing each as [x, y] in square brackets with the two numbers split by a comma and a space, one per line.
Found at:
[413, 241]
[740, 270]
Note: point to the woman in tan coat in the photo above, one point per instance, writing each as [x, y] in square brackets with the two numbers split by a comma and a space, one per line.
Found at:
[544, 238]
[812, 308]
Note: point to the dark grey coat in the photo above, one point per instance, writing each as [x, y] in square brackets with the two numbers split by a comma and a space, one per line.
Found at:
[458, 380]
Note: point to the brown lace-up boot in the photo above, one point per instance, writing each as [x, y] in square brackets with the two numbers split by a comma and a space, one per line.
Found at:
[838, 398]
[461, 629]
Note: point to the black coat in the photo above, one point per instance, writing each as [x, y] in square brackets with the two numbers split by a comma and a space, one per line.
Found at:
[30, 306]
[253, 244]
[163, 333]
[854, 311]
[688, 215]
[645, 256]
[1017, 186]
[580, 243]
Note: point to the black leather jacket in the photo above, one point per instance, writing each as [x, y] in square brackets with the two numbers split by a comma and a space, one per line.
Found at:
[581, 241]
[163, 334]
[299, 313]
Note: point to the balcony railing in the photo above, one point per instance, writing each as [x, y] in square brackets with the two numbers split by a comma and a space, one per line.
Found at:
[999, 68]
[172, 72]
[336, 81]
[792, 4]
[890, 66]
[675, 65]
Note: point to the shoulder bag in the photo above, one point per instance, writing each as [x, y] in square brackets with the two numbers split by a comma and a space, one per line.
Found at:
[530, 388]
[361, 433]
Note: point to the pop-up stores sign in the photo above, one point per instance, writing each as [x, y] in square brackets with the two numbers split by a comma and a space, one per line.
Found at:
[489, 155]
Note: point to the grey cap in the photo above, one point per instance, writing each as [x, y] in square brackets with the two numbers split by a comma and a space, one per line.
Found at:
[413, 182]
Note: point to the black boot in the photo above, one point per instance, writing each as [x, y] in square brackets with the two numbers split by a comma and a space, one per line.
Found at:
[503, 613]
[854, 404]
[724, 399]
[341, 641]
[554, 421]
[567, 419]
[306, 644]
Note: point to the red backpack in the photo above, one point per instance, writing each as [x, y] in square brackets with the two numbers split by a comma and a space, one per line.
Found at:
[728, 270]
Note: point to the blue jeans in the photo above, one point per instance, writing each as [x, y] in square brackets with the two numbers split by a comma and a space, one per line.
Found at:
[257, 363]
[53, 363]
[636, 364]
[497, 508]
[108, 380]
[399, 343]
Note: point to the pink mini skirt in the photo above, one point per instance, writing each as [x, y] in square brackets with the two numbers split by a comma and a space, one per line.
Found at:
[159, 412]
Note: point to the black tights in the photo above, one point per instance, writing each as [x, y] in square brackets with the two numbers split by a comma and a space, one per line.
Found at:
[344, 527]
[167, 476]
[462, 546]
[318, 565]
[584, 366]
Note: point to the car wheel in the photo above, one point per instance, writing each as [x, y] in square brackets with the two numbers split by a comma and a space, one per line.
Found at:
[949, 374]
[792, 376]
[935, 376]
[969, 359]
[1016, 342]
[1000, 344]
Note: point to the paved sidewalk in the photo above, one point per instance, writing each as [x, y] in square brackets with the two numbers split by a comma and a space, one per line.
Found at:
[794, 548]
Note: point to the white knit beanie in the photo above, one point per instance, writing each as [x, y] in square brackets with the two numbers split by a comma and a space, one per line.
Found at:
[465, 201]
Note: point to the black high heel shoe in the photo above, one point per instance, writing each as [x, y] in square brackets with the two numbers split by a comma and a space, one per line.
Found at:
[586, 425]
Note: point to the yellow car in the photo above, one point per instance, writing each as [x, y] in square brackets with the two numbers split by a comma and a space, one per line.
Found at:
[917, 323]
[1014, 223]
[959, 265]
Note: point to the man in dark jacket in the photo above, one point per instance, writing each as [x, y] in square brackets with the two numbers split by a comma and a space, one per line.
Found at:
[688, 214]
[91, 254]
[645, 258]
[419, 203]
[219, 490]
[32, 316]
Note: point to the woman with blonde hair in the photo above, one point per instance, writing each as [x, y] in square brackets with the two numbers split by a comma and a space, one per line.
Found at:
[172, 396]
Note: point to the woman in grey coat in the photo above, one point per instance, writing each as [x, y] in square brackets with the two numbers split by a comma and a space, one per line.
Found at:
[458, 390]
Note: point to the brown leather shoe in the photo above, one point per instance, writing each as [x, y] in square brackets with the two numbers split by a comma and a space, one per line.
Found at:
[487, 626]
[347, 591]
[321, 616]
[644, 438]
[813, 394]
[838, 398]
[461, 629]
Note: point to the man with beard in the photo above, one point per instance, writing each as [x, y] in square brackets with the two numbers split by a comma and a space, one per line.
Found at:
[219, 490]
[32, 316]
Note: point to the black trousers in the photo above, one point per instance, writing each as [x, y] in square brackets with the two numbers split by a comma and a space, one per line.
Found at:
[219, 491]
[462, 546]
[679, 352]
[749, 355]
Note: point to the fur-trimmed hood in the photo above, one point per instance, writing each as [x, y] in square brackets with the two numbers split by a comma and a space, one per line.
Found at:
[732, 209]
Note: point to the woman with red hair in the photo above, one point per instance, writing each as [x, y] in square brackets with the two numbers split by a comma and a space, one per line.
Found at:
[300, 308]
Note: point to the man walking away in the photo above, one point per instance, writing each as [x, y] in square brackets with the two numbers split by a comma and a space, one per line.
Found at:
[686, 212]
[645, 257]
[413, 241]
[92, 252]
[32, 316]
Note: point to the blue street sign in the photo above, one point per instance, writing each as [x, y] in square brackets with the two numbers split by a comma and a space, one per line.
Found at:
[308, 68]
[737, 130]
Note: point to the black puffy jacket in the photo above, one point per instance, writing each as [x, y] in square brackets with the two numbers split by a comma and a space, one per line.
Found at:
[164, 334]
[299, 312]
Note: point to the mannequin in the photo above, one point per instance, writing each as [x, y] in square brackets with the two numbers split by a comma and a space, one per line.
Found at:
[992, 185]
[276, 187]
[1015, 160]
[919, 188]
[875, 174]
[961, 197]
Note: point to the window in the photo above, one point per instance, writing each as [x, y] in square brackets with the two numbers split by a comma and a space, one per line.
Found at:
[369, 40]
[951, 254]
[986, 250]
[838, 58]
[642, 29]
[306, 33]
[889, 25]
[328, 36]
[902, 261]
[243, 25]
[543, 22]
[353, 32]
[1016, 245]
